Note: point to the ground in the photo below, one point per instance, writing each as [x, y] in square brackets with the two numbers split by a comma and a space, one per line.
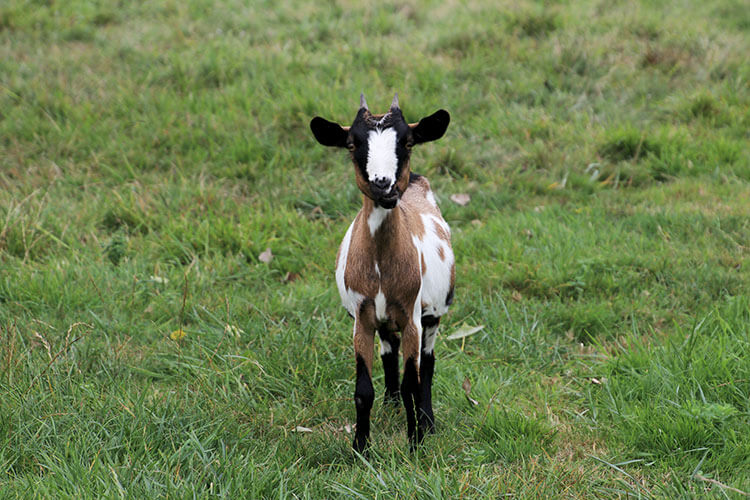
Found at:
[169, 321]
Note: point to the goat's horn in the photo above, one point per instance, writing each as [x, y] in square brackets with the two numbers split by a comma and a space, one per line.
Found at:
[362, 102]
[394, 104]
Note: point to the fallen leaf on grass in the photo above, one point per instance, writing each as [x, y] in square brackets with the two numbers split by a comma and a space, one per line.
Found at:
[467, 389]
[462, 199]
[290, 276]
[266, 256]
[299, 428]
[465, 331]
[233, 330]
[608, 180]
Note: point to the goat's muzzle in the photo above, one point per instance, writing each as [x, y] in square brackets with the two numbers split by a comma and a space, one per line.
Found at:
[386, 198]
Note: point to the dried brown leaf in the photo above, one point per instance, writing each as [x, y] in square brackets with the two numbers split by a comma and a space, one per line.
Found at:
[290, 276]
[462, 199]
[467, 390]
[266, 256]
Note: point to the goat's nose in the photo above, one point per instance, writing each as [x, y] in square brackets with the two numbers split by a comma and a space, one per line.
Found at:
[381, 184]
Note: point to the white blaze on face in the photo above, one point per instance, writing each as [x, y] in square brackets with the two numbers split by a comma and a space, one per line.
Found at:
[381, 155]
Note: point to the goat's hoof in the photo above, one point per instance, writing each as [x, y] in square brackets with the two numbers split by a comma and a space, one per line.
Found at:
[422, 432]
[360, 444]
[392, 399]
[413, 446]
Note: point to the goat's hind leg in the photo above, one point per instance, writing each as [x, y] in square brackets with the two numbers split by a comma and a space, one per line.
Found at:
[410, 389]
[389, 345]
[425, 416]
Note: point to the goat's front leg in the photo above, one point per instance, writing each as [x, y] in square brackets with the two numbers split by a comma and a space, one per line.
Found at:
[364, 394]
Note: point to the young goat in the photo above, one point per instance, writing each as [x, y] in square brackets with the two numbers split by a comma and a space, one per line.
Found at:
[395, 267]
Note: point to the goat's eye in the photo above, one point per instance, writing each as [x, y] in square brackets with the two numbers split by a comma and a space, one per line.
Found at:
[350, 146]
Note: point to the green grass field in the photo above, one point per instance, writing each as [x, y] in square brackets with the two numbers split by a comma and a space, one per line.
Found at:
[151, 151]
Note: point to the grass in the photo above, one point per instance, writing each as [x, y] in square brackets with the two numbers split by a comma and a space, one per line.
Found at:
[150, 152]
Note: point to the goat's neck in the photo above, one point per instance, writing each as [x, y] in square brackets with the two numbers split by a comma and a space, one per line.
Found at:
[384, 224]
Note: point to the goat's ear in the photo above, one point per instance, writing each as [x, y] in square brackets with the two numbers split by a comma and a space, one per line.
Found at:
[430, 128]
[329, 133]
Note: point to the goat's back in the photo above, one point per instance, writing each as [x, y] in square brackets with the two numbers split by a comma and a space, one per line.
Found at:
[431, 235]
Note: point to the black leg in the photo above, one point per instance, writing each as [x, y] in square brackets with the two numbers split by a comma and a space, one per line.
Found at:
[410, 395]
[389, 354]
[363, 398]
[425, 416]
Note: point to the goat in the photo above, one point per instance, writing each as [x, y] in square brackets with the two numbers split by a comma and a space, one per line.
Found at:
[395, 267]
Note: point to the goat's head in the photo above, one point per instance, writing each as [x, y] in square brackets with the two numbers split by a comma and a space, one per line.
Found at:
[380, 146]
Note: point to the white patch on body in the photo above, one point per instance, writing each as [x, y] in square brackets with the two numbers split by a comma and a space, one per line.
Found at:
[436, 281]
[381, 155]
[349, 298]
[430, 334]
[430, 197]
[438, 221]
[385, 347]
[380, 306]
[376, 218]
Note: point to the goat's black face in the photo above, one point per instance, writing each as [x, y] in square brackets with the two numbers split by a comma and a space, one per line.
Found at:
[380, 147]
